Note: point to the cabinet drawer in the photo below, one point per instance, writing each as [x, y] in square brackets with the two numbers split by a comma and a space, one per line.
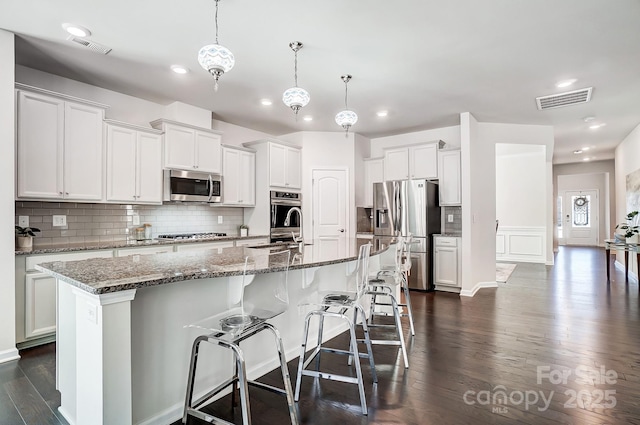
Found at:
[446, 241]
[147, 250]
[31, 261]
[204, 246]
[251, 242]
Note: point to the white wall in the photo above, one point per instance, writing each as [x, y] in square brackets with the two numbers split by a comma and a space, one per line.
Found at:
[478, 160]
[236, 135]
[8, 349]
[362, 151]
[326, 149]
[493, 133]
[450, 135]
[627, 157]
[520, 196]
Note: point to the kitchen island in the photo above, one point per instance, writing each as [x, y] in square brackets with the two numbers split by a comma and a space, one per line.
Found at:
[122, 349]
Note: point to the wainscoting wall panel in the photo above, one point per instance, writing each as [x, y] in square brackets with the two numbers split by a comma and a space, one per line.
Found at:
[524, 244]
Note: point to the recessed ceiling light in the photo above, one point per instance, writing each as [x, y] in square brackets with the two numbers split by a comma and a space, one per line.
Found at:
[179, 69]
[577, 151]
[266, 102]
[597, 126]
[565, 83]
[77, 30]
[586, 148]
[586, 159]
[382, 113]
[308, 118]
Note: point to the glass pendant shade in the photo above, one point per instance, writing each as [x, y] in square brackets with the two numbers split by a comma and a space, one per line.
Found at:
[296, 98]
[346, 118]
[216, 59]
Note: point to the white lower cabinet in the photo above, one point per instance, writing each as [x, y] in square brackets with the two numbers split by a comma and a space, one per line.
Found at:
[146, 250]
[252, 242]
[446, 269]
[204, 245]
[36, 296]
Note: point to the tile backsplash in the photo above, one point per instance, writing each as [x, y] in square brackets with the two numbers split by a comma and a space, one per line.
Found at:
[455, 227]
[88, 223]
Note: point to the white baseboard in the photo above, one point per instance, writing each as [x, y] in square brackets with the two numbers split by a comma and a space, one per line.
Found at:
[479, 285]
[68, 417]
[8, 355]
[619, 265]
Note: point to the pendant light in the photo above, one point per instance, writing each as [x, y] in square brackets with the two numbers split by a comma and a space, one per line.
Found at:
[346, 118]
[215, 58]
[295, 97]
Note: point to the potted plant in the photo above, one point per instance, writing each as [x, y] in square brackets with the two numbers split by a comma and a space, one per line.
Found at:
[24, 236]
[628, 231]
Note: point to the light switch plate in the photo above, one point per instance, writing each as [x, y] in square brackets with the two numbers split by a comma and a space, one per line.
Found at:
[136, 220]
[220, 219]
[450, 218]
[23, 221]
[59, 220]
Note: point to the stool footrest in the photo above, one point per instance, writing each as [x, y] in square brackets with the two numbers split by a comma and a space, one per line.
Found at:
[324, 375]
[199, 402]
[382, 342]
[267, 387]
[207, 418]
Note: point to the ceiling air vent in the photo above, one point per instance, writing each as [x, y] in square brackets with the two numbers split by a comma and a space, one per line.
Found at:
[95, 47]
[564, 99]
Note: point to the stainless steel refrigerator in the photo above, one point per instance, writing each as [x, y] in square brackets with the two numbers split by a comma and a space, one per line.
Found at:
[404, 207]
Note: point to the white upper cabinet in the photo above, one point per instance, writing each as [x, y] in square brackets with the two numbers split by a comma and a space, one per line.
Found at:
[411, 162]
[373, 173]
[449, 182]
[285, 166]
[190, 148]
[60, 147]
[238, 177]
[134, 164]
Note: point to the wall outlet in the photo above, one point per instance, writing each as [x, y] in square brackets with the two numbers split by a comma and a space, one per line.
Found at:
[59, 220]
[450, 218]
[136, 220]
[23, 221]
[220, 219]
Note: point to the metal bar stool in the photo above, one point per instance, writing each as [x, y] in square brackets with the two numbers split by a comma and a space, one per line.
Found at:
[379, 287]
[245, 317]
[336, 304]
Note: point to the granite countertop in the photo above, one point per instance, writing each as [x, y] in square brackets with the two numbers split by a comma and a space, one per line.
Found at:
[106, 275]
[71, 247]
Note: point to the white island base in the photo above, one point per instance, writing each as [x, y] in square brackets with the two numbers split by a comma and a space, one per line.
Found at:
[123, 357]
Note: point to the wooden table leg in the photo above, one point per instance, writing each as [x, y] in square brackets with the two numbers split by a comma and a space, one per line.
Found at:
[608, 254]
[626, 265]
[638, 268]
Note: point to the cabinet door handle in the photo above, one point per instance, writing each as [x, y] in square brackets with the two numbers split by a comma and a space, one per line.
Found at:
[341, 230]
[59, 193]
[66, 193]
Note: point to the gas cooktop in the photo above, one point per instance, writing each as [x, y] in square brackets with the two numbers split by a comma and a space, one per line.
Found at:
[181, 236]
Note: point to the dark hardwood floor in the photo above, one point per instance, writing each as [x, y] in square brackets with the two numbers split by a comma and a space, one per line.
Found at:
[559, 337]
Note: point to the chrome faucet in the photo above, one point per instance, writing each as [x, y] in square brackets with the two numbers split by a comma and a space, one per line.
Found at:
[287, 221]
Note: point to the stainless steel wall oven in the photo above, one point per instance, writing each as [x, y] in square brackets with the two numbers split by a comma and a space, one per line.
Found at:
[281, 203]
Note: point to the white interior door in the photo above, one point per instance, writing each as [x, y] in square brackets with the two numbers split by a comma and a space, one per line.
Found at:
[330, 210]
[580, 217]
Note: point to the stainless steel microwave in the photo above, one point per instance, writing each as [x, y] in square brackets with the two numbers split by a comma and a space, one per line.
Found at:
[192, 186]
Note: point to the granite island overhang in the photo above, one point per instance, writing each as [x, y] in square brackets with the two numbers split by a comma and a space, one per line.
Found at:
[122, 350]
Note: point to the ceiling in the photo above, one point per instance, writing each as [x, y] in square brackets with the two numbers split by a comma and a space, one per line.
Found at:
[424, 61]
